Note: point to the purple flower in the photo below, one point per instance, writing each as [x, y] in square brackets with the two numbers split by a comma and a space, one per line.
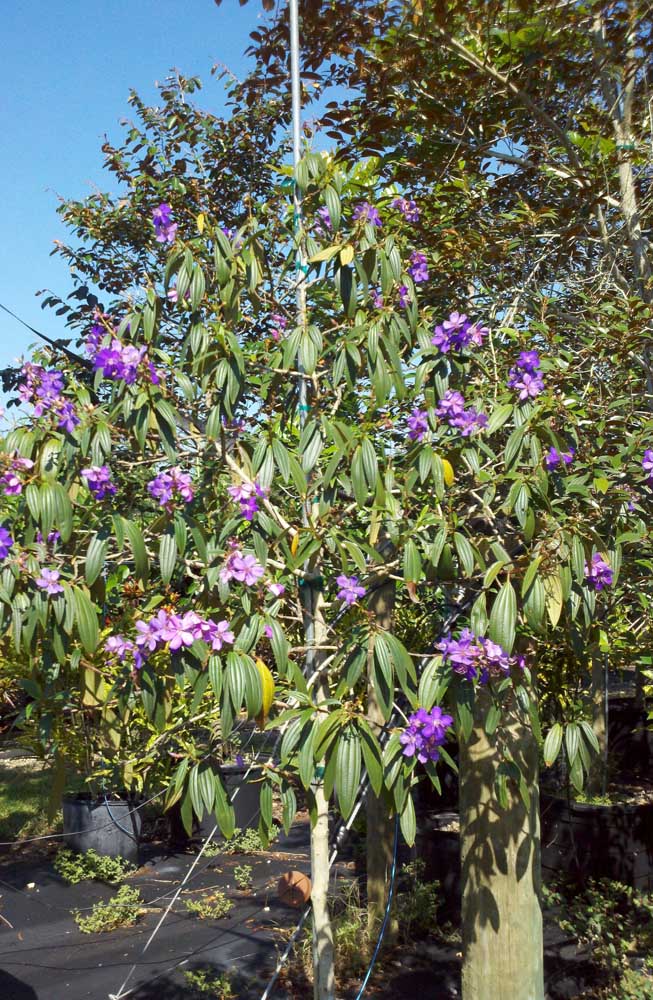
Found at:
[276, 589]
[377, 298]
[180, 630]
[367, 213]
[452, 409]
[323, 224]
[121, 649]
[404, 296]
[218, 634]
[43, 389]
[98, 480]
[647, 464]
[526, 376]
[529, 361]
[425, 733]
[418, 424]
[49, 581]
[124, 362]
[553, 458]
[164, 228]
[529, 386]
[247, 495]
[598, 573]
[418, 268]
[243, 569]
[407, 207]
[11, 481]
[279, 324]
[350, 589]
[167, 487]
[457, 332]
[473, 656]
[268, 632]
[451, 405]
[96, 335]
[6, 542]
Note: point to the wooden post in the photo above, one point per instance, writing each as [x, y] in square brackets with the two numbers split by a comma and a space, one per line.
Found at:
[380, 827]
[501, 916]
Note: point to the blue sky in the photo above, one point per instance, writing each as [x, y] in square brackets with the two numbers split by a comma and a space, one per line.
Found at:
[65, 76]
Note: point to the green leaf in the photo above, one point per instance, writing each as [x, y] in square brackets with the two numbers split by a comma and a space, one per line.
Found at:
[432, 684]
[529, 575]
[87, 620]
[224, 811]
[408, 821]
[266, 803]
[289, 806]
[590, 736]
[348, 769]
[552, 744]
[535, 604]
[492, 719]
[371, 757]
[95, 556]
[137, 542]
[503, 617]
[306, 759]
[465, 553]
[167, 556]
[572, 739]
[412, 562]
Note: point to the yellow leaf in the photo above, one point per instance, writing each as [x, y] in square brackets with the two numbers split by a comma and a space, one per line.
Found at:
[347, 254]
[294, 545]
[449, 476]
[267, 685]
[200, 220]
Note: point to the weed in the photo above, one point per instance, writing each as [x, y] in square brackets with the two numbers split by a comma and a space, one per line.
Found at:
[615, 922]
[76, 867]
[243, 876]
[121, 911]
[207, 984]
[416, 902]
[243, 842]
[212, 906]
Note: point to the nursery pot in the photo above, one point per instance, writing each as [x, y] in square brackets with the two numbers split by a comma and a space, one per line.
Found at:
[599, 841]
[243, 788]
[111, 827]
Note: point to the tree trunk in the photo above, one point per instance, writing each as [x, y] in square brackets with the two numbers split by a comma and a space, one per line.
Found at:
[380, 827]
[323, 955]
[597, 781]
[501, 916]
[322, 947]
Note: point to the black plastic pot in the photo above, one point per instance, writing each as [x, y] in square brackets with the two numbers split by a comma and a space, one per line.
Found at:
[243, 788]
[111, 827]
[591, 841]
[439, 848]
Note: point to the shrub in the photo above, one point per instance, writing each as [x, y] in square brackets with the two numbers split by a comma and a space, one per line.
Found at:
[121, 911]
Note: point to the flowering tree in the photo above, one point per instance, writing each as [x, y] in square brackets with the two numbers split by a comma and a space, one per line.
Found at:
[170, 492]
